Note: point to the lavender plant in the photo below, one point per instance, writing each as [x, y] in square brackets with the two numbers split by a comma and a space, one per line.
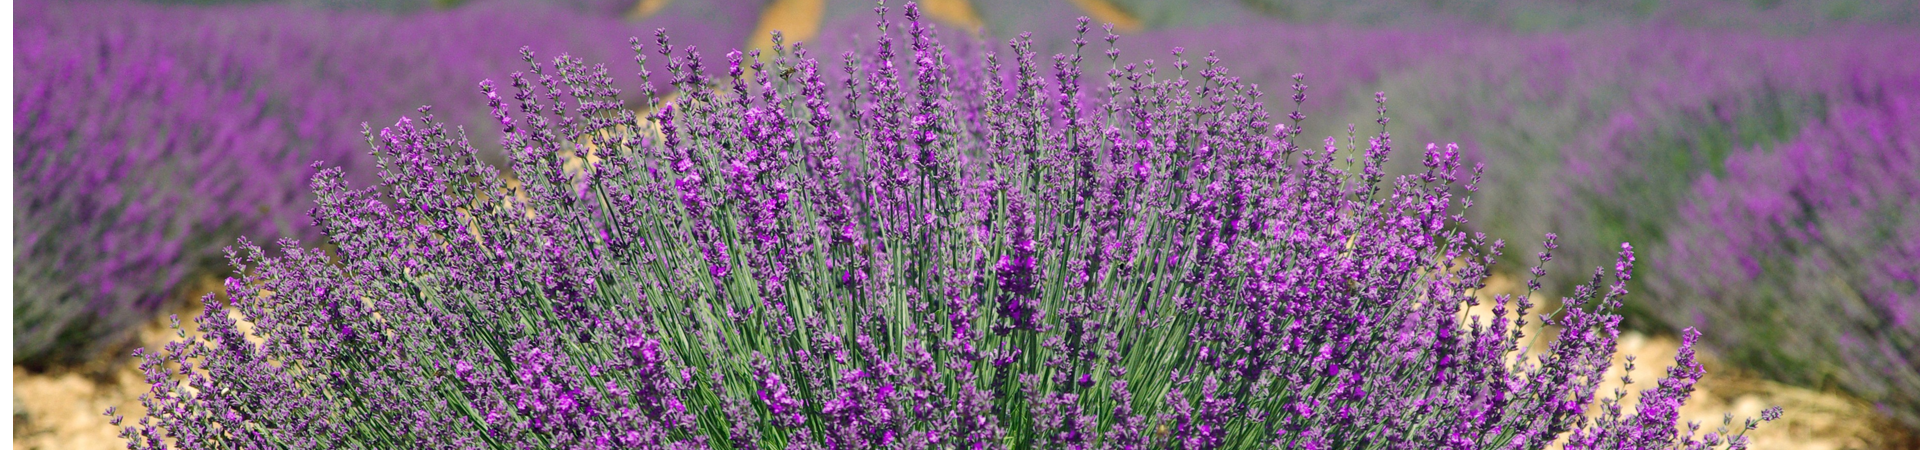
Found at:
[855, 255]
[149, 135]
[1803, 260]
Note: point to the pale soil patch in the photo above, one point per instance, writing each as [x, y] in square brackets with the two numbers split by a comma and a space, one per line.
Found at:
[63, 411]
[1104, 12]
[645, 8]
[800, 20]
[797, 20]
[956, 13]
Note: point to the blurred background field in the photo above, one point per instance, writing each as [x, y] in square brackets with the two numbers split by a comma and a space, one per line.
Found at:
[1763, 155]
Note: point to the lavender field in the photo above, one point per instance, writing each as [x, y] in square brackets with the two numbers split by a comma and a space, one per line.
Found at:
[966, 224]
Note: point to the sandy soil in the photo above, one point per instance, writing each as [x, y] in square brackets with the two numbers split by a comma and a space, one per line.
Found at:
[644, 8]
[956, 13]
[63, 411]
[797, 20]
[1103, 11]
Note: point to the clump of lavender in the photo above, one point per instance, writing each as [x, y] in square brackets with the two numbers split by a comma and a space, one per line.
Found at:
[1804, 261]
[856, 255]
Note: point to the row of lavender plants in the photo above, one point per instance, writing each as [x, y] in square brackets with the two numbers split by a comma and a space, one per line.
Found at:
[1617, 126]
[1618, 134]
[855, 254]
[148, 136]
[1813, 249]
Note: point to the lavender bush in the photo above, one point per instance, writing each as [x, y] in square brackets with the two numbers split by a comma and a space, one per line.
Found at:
[148, 135]
[855, 255]
[1805, 261]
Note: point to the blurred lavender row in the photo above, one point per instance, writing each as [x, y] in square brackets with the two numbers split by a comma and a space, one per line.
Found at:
[149, 136]
[1807, 258]
[1614, 125]
[1617, 128]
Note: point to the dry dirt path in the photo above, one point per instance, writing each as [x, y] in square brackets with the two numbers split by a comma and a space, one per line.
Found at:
[797, 20]
[1103, 11]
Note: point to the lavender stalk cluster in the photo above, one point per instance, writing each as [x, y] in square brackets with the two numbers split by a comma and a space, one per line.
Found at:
[1804, 261]
[887, 252]
[149, 136]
